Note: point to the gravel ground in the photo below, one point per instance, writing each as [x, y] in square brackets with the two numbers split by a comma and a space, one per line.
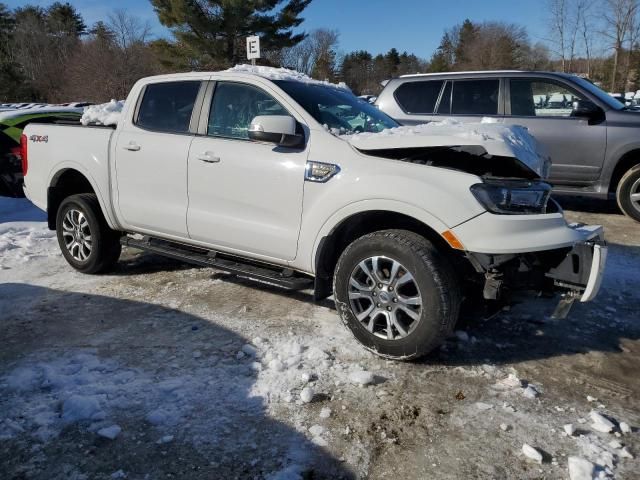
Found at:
[160, 370]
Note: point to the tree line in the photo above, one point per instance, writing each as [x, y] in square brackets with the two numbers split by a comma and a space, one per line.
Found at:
[50, 53]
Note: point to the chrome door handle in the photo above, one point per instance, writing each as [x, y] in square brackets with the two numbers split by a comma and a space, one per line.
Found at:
[208, 158]
[132, 147]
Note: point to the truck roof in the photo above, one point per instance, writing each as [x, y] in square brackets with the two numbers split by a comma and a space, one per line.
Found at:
[269, 73]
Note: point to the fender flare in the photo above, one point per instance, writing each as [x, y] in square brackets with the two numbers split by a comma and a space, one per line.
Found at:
[362, 206]
[105, 204]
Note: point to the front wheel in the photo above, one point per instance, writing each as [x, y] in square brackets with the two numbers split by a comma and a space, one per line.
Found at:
[86, 241]
[628, 193]
[396, 293]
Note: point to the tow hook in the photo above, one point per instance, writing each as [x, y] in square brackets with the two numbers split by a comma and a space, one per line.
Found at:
[564, 305]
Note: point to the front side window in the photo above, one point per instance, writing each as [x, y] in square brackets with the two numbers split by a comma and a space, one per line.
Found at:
[541, 98]
[235, 105]
[418, 97]
[167, 107]
[339, 110]
[475, 97]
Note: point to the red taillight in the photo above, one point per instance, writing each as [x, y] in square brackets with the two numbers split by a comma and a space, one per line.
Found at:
[23, 154]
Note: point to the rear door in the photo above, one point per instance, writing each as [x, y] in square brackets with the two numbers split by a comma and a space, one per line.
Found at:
[151, 158]
[244, 196]
[576, 146]
[470, 100]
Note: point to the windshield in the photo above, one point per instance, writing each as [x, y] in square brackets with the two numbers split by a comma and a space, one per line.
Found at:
[338, 110]
[602, 95]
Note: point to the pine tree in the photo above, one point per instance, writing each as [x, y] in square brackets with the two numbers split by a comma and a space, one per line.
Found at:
[64, 19]
[215, 30]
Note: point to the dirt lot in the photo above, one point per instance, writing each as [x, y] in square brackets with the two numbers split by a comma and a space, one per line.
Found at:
[197, 375]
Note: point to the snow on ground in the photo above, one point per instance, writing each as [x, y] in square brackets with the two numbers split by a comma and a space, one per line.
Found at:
[99, 374]
[103, 114]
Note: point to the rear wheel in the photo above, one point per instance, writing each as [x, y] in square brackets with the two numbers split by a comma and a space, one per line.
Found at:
[86, 241]
[396, 293]
[628, 193]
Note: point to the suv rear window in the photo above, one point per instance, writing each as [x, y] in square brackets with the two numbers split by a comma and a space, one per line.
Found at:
[167, 107]
[475, 97]
[418, 97]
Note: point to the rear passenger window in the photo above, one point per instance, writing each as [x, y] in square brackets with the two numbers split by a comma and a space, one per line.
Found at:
[475, 97]
[418, 97]
[167, 107]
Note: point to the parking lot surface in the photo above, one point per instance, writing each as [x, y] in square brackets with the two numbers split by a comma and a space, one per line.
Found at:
[160, 370]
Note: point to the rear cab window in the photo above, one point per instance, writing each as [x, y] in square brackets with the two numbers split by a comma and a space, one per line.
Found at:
[167, 107]
[418, 97]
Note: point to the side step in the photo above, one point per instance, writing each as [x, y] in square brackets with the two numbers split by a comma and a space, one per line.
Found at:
[283, 278]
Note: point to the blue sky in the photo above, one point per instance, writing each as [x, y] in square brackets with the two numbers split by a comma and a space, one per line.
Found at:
[374, 25]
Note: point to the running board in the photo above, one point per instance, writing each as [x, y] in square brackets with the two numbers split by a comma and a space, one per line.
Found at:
[283, 278]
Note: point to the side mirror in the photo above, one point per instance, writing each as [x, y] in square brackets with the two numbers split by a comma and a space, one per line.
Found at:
[586, 108]
[279, 129]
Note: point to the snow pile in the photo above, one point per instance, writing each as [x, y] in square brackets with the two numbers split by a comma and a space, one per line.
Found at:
[103, 114]
[273, 73]
[497, 139]
[23, 233]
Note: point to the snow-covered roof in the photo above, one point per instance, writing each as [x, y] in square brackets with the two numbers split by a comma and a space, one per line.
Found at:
[274, 73]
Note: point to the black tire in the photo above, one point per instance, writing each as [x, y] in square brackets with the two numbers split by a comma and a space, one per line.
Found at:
[435, 280]
[629, 185]
[105, 243]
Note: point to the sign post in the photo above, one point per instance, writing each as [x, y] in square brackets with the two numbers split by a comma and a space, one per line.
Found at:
[253, 48]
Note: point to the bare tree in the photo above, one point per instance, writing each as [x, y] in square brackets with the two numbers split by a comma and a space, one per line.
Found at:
[618, 17]
[315, 55]
[558, 11]
[585, 22]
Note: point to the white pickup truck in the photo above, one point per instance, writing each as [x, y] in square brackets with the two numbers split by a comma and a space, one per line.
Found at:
[276, 177]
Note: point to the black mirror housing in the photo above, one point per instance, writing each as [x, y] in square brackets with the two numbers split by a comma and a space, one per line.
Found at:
[586, 108]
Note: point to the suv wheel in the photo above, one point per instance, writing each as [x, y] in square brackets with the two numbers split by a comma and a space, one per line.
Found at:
[86, 241]
[396, 294]
[628, 193]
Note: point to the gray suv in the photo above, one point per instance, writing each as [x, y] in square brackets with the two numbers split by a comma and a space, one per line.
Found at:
[593, 139]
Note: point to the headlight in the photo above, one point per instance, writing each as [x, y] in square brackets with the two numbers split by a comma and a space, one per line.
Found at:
[512, 197]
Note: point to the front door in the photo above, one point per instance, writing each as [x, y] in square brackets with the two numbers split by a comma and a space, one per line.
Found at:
[244, 196]
[151, 159]
[545, 107]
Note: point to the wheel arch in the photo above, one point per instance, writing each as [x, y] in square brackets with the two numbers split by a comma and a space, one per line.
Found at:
[332, 243]
[625, 162]
[68, 181]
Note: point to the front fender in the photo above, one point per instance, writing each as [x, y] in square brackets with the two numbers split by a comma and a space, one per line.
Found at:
[307, 255]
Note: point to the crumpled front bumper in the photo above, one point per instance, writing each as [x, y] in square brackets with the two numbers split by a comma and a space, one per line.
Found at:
[582, 270]
[575, 268]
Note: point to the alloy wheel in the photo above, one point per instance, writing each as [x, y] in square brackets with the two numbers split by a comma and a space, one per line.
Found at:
[384, 297]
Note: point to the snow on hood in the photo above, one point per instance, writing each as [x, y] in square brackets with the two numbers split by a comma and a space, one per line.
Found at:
[103, 114]
[273, 73]
[496, 139]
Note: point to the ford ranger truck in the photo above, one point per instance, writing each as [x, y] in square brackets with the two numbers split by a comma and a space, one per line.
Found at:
[278, 178]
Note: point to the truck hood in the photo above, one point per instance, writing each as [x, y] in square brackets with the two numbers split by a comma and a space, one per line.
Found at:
[492, 139]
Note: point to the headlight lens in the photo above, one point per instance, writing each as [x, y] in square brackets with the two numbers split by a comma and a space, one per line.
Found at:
[512, 197]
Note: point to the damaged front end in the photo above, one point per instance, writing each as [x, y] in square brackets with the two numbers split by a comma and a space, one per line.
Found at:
[575, 272]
